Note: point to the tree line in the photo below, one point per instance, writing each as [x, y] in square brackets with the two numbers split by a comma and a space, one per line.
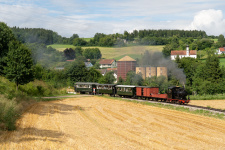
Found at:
[140, 37]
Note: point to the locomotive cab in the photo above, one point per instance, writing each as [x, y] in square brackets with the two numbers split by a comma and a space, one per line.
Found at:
[177, 93]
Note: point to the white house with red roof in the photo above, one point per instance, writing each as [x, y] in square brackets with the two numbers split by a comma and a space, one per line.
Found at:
[183, 53]
[107, 63]
[221, 50]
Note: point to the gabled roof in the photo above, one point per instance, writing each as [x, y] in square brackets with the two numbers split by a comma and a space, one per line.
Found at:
[127, 58]
[183, 52]
[106, 61]
[222, 49]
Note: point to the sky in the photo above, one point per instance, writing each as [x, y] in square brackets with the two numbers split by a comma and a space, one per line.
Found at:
[87, 17]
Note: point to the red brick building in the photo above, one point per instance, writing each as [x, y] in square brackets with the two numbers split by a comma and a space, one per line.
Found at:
[125, 65]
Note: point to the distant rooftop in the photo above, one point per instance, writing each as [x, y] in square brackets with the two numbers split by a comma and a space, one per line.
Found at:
[106, 61]
[127, 58]
[183, 52]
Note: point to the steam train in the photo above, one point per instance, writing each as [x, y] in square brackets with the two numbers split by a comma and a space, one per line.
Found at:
[174, 94]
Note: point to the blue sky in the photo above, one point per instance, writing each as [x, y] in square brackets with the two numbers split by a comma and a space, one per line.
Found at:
[87, 17]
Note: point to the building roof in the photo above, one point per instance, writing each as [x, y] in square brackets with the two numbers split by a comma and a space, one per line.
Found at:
[222, 49]
[88, 64]
[112, 69]
[183, 52]
[106, 61]
[102, 71]
[127, 58]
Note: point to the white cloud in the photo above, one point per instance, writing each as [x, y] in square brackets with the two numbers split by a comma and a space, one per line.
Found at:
[212, 21]
[87, 17]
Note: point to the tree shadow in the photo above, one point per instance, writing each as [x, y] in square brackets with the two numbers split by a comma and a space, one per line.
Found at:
[54, 108]
[31, 134]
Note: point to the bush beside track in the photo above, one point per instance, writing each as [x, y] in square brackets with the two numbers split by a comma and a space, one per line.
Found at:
[13, 104]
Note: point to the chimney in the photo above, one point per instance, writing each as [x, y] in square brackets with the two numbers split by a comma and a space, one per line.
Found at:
[187, 51]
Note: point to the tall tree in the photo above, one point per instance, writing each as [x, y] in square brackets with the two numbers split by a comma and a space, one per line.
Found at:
[108, 78]
[19, 64]
[69, 53]
[6, 36]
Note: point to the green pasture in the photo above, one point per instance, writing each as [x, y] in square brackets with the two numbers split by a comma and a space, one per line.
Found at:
[61, 47]
[87, 39]
[222, 61]
[116, 52]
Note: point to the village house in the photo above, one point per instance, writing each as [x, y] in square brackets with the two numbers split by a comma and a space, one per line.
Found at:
[88, 64]
[183, 53]
[221, 50]
[107, 63]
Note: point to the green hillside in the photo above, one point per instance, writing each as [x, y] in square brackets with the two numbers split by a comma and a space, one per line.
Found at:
[116, 52]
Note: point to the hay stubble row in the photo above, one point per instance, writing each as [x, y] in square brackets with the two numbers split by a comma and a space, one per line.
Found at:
[100, 123]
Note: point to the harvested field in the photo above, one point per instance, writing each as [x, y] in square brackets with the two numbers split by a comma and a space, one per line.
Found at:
[219, 104]
[101, 123]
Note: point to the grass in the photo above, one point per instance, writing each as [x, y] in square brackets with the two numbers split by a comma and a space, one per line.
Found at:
[61, 47]
[133, 51]
[208, 97]
[116, 52]
[222, 61]
[87, 39]
[204, 56]
[178, 108]
[13, 103]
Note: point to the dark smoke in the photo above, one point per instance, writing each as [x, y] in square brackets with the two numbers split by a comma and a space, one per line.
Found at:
[156, 59]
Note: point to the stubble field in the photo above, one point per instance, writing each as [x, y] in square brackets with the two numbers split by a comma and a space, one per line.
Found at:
[101, 123]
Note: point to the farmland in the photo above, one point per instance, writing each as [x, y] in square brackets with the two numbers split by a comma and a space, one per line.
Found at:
[101, 123]
[117, 52]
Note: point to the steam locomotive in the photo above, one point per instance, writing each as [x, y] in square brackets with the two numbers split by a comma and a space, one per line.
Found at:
[174, 94]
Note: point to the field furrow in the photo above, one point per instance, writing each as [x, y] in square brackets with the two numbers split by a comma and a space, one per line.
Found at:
[101, 123]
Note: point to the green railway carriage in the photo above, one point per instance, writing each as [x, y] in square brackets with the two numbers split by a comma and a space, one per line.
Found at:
[106, 89]
[126, 90]
[85, 87]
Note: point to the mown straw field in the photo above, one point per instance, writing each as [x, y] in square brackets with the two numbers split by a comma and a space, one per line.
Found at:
[101, 123]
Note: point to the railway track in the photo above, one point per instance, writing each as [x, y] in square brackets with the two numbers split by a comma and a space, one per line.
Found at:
[191, 107]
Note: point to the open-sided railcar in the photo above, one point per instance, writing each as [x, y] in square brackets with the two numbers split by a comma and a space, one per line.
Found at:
[106, 89]
[85, 87]
[126, 90]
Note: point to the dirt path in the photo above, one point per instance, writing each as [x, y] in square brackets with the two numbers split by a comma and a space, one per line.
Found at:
[100, 123]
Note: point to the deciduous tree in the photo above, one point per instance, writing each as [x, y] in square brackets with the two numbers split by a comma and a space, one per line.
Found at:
[19, 64]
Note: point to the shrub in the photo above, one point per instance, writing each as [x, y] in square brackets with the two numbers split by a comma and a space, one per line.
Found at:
[8, 112]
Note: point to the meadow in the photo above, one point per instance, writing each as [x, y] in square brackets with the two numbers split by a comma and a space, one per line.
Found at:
[117, 52]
